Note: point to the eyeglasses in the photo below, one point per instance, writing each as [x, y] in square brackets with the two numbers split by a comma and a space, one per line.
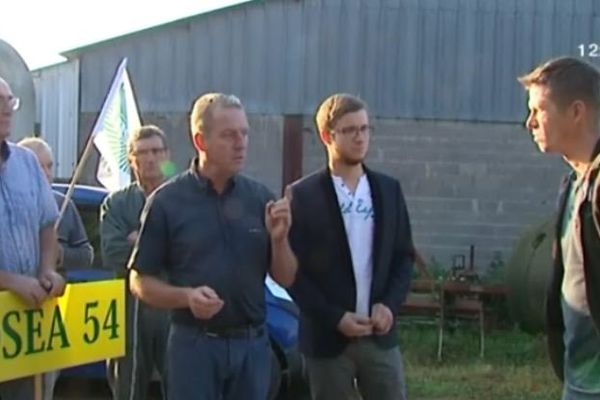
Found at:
[355, 130]
[145, 152]
[11, 103]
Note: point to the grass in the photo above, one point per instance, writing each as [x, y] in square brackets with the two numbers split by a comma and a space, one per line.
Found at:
[515, 366]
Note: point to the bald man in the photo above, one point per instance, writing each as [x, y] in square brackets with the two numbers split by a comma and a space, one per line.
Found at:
[28, 212]
[75, 250]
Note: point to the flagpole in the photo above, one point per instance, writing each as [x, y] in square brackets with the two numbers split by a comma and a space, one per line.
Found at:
[38, 387]
[78, 170]
[88, 146]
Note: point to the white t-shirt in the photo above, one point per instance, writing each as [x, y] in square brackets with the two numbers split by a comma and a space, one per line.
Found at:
[357, 211]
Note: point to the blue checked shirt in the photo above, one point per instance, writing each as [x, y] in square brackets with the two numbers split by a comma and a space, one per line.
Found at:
[26, 206]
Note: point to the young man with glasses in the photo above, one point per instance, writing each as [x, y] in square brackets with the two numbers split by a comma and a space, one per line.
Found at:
[352, 237]
[147, 327]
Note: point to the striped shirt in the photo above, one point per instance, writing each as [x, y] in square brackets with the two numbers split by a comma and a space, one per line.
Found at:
[26, 206]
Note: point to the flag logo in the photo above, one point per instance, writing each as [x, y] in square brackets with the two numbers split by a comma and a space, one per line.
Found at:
[118, 118]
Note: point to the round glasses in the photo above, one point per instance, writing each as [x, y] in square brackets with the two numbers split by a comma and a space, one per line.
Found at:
[11, 103]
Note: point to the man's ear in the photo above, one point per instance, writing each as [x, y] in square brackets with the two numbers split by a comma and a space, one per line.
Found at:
[578, 110]
[199, 142]
[326, 136]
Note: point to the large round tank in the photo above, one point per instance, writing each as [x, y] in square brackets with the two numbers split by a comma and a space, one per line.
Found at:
[14, 70]
[528, 275]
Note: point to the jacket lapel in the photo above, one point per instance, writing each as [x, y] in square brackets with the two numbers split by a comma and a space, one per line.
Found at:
[376, 198]
[565, 189]
[563, 196]
[333, 209]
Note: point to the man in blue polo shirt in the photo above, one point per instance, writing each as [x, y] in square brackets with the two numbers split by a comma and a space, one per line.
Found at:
[28, 246]
[214, 234]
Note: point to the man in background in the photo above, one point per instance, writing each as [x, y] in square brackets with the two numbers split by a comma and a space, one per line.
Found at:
[74, 248]
[147, 326]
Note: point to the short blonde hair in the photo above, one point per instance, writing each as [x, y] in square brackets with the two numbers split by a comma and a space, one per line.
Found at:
[335, 107]
[203, 107]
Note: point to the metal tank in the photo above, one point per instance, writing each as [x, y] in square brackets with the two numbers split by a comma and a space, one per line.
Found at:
[528, 275]
[14, 70]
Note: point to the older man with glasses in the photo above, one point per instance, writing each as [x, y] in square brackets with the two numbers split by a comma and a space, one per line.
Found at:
[147, 327]
[28, 212]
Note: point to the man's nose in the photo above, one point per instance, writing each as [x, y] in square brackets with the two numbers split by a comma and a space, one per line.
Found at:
[529, 122]
[240, 139]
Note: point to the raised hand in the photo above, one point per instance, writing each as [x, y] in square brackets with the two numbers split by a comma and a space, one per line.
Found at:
[278, 216]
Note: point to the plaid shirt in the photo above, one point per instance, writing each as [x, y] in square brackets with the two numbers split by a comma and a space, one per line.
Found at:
[26, 206]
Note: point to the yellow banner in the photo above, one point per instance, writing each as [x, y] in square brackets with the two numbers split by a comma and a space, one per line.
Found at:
[86, 324]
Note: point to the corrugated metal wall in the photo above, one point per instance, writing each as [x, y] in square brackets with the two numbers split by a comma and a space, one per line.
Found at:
[57, 102]
[430, 59]
[15, 72]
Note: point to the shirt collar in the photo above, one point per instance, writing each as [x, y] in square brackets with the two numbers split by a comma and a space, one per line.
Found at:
[4, 151]
[205, 183]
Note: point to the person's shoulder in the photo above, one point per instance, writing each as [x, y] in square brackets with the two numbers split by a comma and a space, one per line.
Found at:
[16, 150]
[248, 181]
[251, 185]
[59, 197]
[21, 154]
[382, 178]
[310, 180]
[173, 186]
[123, 193]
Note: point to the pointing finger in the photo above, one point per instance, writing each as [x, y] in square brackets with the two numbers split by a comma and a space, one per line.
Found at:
[287, 193]
[269, 206]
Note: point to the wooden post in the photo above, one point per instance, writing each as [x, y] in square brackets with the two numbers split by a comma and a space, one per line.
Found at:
[38, 386]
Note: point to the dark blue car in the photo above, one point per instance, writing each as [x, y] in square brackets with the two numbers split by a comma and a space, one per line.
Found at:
[288, 372]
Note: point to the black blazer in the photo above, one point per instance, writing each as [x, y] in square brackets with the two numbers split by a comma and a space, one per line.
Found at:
[325, 288]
